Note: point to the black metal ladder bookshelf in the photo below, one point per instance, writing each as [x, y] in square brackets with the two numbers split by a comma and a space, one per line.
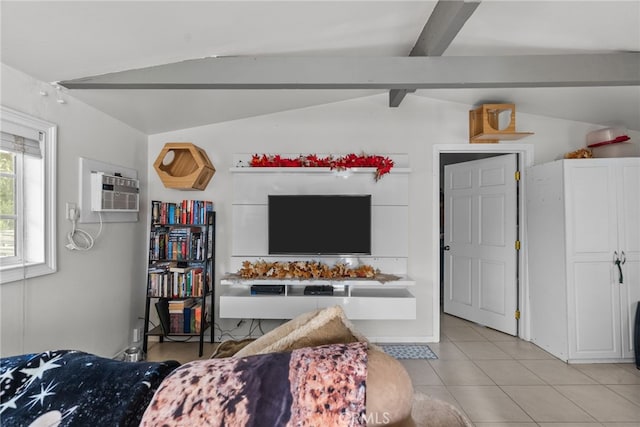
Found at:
[181, 268]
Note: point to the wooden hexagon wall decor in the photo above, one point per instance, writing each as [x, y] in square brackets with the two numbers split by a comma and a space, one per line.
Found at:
[184, 166]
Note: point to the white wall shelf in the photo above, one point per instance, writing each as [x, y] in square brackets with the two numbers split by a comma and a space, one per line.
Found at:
[251, 169]
[361, 299]
[401, 282]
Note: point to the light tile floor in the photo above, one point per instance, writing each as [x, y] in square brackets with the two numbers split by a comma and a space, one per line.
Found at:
[183, 352]
[499, 380]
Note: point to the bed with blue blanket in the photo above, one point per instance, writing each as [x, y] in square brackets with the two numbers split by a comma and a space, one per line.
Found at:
[72, 388]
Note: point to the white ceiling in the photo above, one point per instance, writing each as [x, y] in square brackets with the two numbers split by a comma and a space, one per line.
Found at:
[55, 41]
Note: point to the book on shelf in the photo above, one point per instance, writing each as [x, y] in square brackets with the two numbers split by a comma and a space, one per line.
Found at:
[157, 281]
[176, 319]
[176, 304]
[180, 315]
[197, 284]
[188, 315]
[197, 317]
[155, 212]
[177, 243]
[192, 324]
[176, 282]
[184, 212]
[180, 269]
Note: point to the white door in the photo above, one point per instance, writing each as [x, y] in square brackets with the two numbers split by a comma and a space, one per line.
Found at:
[629, 249]
[593, 293]
[480, 257]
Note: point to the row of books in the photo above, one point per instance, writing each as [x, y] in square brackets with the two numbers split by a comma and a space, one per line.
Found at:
[182, 316]
[176, 282]
[185, 212]
[179, 243]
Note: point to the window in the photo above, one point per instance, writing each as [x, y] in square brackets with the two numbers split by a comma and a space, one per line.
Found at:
[27, 196]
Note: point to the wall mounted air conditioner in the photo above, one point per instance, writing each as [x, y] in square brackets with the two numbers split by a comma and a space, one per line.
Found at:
[112, 193]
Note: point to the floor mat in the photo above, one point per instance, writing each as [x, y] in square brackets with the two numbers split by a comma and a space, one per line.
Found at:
[409, 351]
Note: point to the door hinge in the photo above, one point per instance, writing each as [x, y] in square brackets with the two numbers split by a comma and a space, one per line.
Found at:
[517, 175]
[517, 245]
[517, 314]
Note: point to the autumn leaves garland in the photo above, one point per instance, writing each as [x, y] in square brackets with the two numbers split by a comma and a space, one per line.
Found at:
[382, 164]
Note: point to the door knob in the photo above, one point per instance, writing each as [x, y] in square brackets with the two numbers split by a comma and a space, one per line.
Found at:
[446, 248]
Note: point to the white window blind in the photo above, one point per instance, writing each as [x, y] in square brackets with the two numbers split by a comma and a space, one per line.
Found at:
[19, 144]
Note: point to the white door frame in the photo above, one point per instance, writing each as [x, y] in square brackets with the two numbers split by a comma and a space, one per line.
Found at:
[525, 160]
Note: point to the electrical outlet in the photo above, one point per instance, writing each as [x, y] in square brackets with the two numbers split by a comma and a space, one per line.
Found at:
[136, 335]
[72, 211]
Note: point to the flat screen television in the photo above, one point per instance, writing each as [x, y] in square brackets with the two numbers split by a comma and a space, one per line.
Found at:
[319, 224]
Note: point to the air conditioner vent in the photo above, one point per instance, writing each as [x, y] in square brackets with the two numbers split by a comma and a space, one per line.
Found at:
[110, 193]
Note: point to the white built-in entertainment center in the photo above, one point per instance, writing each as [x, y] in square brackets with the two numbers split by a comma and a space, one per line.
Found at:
[360, 298]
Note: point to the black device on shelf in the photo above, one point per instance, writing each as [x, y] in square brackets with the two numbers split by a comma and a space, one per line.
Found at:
[180, 274]
[267, 289]
[318, 290]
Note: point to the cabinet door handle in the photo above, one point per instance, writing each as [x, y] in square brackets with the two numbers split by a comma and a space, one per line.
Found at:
[623, 257]
[618, 263]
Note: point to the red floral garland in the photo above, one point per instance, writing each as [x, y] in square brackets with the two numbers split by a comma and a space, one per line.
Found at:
[382, 164]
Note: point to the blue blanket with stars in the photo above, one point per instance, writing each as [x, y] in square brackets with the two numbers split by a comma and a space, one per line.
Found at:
[72, 388]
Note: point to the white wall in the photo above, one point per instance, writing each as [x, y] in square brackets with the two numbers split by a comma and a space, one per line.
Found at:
[365, 124]
[94, 299]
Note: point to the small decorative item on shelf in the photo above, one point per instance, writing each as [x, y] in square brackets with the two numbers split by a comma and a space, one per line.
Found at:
[303, 270]
[184, 166]
[491, 123]
[582, 153]
[382, 164]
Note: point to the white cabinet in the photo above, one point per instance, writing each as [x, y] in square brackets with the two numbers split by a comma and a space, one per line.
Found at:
[582, 215]
[360, 299]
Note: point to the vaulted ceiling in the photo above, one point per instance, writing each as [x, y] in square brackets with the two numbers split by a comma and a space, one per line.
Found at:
[61, 41]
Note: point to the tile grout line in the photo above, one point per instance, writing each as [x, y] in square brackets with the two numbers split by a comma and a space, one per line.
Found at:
[621, 395]
[446, 386]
